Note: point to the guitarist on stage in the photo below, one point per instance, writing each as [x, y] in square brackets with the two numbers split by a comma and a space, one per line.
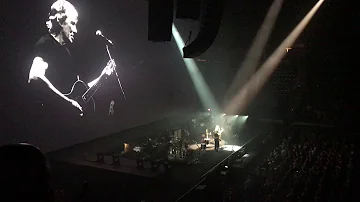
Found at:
[53, 70]
[217, 141]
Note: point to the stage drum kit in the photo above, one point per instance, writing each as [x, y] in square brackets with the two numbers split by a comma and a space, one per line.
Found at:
[178, 145]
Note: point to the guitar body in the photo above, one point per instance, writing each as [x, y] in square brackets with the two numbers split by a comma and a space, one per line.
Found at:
[78, 94]
[84, 95]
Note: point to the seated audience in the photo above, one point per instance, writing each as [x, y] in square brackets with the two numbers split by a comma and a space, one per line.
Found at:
[307, 167]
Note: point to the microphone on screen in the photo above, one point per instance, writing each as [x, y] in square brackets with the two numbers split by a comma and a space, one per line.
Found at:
[99, 33]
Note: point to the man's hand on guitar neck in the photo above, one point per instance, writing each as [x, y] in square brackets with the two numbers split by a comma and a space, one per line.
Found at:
[109, 69]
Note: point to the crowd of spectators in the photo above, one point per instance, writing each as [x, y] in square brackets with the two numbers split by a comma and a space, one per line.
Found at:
[307, 166]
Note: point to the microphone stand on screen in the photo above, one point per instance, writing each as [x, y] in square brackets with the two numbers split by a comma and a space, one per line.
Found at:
[117, 76]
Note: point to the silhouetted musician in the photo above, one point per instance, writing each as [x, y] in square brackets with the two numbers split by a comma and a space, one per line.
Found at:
[217, 141]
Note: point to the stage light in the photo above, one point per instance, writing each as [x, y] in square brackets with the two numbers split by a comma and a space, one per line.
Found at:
[248, 66]
[247, 92]
[237, 116]
[206, 96]
[232, 148]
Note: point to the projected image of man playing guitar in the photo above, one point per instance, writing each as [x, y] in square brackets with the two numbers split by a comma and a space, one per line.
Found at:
[52, 64]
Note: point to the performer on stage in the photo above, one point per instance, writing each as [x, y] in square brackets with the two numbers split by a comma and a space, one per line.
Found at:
[217, 141]
[53, 70]
[203, 142]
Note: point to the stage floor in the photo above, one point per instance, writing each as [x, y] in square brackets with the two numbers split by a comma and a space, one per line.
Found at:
[167, 186]
[156, 186]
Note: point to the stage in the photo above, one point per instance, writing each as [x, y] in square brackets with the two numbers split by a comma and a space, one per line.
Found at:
[128, 162]
[157, 186]
[161, 185]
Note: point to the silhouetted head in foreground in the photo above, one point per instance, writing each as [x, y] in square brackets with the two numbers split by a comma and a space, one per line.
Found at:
[24, 174]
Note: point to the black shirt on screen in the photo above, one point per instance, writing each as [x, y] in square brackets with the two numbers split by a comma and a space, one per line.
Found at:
[61, 72]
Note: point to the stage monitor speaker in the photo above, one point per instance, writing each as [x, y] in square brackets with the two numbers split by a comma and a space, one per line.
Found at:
[188, 9]
[160, 20]
[210, 27]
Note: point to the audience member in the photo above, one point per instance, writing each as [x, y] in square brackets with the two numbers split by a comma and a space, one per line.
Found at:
[24, 174]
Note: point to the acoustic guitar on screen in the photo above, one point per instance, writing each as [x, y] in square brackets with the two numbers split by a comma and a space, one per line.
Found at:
[84, 95]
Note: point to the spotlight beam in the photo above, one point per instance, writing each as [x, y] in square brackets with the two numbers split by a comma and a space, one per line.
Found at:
[203, 90]
[246, 94]
[251, 61]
